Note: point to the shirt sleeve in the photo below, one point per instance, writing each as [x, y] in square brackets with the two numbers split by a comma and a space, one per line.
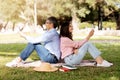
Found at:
[46, 37]
[80, 43]
[75, 44]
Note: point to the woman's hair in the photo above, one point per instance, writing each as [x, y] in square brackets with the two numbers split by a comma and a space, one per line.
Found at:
[64, 31]
[54, 21]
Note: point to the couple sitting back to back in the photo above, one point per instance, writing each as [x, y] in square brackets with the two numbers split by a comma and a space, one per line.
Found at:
[55, 47]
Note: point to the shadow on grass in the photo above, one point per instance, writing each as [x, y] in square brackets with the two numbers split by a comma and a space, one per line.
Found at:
[85, 73]
[8, 55]
[12, 48]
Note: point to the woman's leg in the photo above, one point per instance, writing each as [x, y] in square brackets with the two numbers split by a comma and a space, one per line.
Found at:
[99, 59]
[76, 58]
[95, 53]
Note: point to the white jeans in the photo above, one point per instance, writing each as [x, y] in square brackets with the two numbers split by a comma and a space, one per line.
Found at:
[77, 58]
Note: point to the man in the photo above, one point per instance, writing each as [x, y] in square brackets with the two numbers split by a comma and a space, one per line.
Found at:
[48, 51]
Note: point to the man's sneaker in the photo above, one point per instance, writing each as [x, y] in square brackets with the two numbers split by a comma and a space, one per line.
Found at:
[105, 64]
[14, 63]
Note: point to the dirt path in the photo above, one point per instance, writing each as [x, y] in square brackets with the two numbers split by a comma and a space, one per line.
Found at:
[15, 38]
[106, 41]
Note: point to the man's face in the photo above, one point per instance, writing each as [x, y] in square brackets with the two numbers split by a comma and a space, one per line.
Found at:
[48, 24]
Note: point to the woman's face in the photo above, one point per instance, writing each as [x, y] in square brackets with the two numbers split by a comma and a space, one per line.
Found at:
[70, 28]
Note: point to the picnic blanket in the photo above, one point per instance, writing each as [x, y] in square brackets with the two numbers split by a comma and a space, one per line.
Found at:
[38, 63]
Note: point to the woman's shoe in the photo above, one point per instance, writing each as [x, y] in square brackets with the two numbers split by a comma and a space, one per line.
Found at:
[105, 64]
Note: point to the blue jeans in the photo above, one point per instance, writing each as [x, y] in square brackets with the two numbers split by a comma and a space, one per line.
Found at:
[77, 58]
[43, 53]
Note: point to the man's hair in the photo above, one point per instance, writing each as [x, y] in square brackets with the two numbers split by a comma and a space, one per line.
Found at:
[54, 21]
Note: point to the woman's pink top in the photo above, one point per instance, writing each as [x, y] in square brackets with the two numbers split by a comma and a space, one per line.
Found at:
[67, 46]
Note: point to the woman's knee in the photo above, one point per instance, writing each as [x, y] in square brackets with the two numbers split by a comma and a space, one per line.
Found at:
[88, 43]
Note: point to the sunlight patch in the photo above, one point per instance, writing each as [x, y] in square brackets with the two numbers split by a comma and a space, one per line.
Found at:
[113, 78]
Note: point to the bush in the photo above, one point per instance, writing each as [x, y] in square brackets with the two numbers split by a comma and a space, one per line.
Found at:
[84, 25]
[111, 25]
[105, 24]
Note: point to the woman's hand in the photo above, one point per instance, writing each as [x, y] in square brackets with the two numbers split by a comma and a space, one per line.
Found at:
[91, 33]
[75, 51]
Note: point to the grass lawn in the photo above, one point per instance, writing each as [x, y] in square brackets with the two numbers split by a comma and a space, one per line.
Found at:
[11, 45]
[110, 51]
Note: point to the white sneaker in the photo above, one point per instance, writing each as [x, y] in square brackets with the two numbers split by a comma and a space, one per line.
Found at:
[109, 62]
[14, 63]
[105, 64]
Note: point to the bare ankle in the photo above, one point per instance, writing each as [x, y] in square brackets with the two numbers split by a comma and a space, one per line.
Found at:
[99, 60]
[18, 59]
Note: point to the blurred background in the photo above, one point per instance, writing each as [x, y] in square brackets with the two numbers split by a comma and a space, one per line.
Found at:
[29, 16]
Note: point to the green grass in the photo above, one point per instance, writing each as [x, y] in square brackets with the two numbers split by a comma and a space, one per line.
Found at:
[110, 51]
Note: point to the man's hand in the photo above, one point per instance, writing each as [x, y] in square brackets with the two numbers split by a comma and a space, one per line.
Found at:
[22, 34]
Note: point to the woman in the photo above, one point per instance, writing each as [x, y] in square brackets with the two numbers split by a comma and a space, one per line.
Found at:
[49, 51]
[73, 51]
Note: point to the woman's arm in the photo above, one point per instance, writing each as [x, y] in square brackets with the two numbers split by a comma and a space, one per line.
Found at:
[87, 38]
[75, 44]
[91, 33]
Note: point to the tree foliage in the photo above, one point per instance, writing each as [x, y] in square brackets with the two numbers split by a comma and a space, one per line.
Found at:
[17, 10]
[10, 9]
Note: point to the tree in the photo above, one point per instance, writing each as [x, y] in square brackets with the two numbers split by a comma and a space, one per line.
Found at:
[99, 5]
[117, 16]
[24, 10]
[10, 10]
[104, 9]
[110, 7]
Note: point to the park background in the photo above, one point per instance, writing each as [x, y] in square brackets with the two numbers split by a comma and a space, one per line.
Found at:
[29, 17]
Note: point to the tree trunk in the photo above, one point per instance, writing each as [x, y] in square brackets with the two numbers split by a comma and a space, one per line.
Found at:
[117, 18]
[75, 22]
[35, 14]
[6, 25]
[99, 18]
[118, 23]
[1, 26]
[13, 28]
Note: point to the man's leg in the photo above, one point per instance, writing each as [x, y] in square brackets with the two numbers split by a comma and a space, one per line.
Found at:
[27, 51]
[44, 54]
[23, 56]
